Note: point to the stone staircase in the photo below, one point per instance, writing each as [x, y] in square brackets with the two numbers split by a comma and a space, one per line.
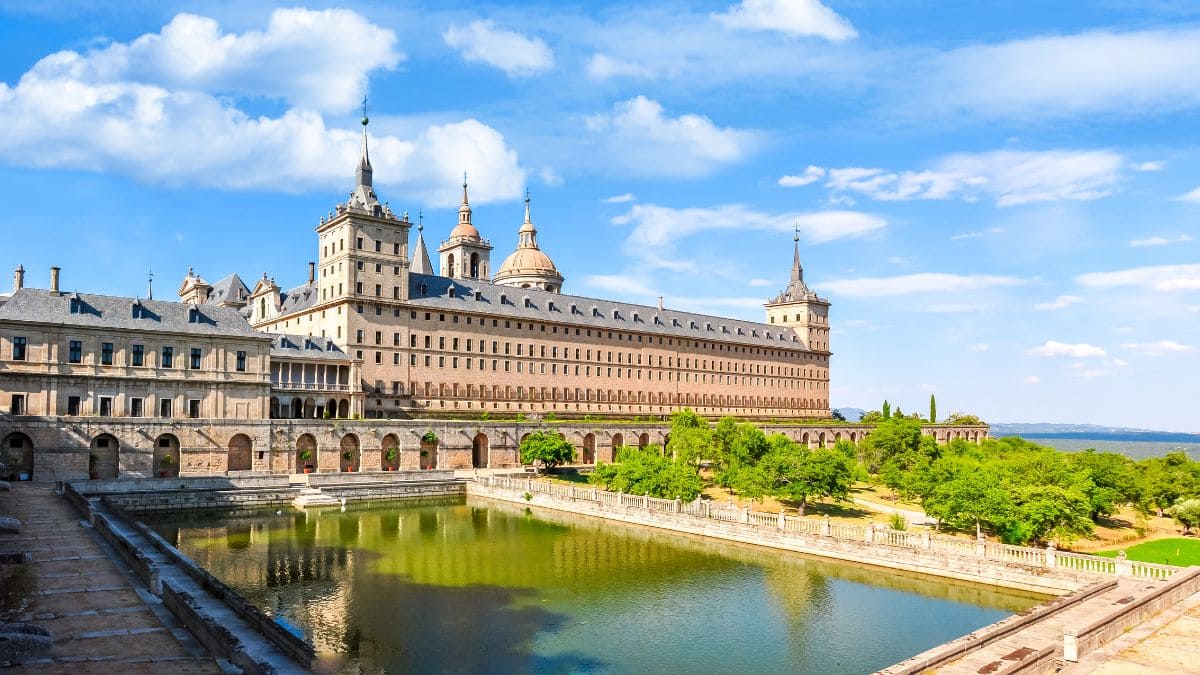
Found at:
[314, 497]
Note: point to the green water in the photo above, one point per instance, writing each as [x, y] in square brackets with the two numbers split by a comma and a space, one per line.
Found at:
[481, 586]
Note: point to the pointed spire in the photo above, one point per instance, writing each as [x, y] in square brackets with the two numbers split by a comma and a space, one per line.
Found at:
[797, 269]
[362, 174]
[465, 202]
[464, 211]
[150, 284]
[420, 256]
[527, 235]
[527, 220]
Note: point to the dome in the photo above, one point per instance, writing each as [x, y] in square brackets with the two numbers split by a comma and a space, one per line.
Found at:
[527, 261]
[528, 266]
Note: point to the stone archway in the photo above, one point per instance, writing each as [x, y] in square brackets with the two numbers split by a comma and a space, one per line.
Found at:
[350, 447]
[306, 444]
[240, 447]
[105, 459]
[392, 444]
[343, 409]
[17, 453]
[589, 449]
[166, 445]
[297, 409]
[618, 442]
[479, 451]
[429, 451]
[644, 440]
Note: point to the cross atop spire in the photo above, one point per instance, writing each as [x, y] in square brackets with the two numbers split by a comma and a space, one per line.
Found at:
[150, 283]
[362, 174]
[420, 220]
[797, 269]
[527, 220]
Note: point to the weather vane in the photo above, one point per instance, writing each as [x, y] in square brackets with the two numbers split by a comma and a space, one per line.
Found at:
[420, 219]
[796, 231]
[364, 111]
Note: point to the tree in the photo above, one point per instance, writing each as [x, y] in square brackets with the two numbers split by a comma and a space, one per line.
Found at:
[546, 448]
[1112, 478]
[963, 418]
[691, 439]
[887, 410]
[646, 471]
[894, 436]
[800, 474]
[1187, 512]
[838, 416]
[932, 409]
[871, 417]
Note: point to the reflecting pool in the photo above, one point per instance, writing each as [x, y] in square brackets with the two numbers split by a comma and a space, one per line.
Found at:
[481, 586]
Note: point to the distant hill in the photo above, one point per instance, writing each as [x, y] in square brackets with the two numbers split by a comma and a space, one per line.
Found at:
[1089, 431]
[851, 414]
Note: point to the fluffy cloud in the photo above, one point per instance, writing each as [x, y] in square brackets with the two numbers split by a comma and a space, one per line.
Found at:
[139, 109]
[1062, 349]
[1054, 76]
[1148, 166]
[1193, 196]
[618, 199]
[925, 282]
[656, 226]
[1007, 176]
[1061, 302]
[515, 54]
[1163, 278]
[793, 17]
[1159, 348]
[645, 140]
[1160, 241]
[603, 66]
[811, 175]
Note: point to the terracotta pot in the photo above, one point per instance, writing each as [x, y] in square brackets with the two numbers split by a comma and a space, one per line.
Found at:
[308, 469]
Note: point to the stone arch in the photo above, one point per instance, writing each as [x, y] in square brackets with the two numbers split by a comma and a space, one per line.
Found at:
[821, 440]
[310, 408]
[474, 266]
[240, 447]
[479, 451]
[349, 445]
[389, 442]
[274, 411]
[804, 439]
[589, 449]
[297, 409]
[643, 440]
[618, 442]
[105, 458]
[853, 438]
[17, 453]
[306, 443]
[429, 453]
[343, 409]
[166, 445]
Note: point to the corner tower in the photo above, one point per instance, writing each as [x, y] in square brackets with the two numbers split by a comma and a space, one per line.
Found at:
[528, 266]
[800, 308]
[465, 255]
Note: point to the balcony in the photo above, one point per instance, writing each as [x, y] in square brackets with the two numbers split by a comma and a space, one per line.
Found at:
[278, 385]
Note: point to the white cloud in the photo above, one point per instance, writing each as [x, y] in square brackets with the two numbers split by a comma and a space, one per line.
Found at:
[1148, 166]
[1061, 302]
[639, 136]
[1059, 349]
[1160, 241]
[1032, 379]
[549, 176]
[811, 175]
[793, 17]
[114, 111]
[1159, 348]
[1057, 75]
[759, 283]
[618, 199]
[603, 66]
[655, 226]
[515, 54]
[1193, 196]
[979, 347]
[1163, 278]
[926, 282]
[1007, 176]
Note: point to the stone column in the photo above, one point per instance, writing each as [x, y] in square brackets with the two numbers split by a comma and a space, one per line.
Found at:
[980, 546]
[925, 540]
[1124, 565]
[826, 527]
[1050, 551]
[869, 534]
[782, 520]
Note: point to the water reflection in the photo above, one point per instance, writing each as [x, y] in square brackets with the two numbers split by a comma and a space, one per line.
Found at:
[492, 587]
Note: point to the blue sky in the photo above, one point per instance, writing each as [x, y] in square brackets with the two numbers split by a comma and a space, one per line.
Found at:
[1000, 199]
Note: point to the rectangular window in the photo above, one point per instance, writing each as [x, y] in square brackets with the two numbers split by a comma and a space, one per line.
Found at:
[19, 348]
[378, 357]
[136, 408]
[72, 405]
[195, 362]
[106, 353]
[139, 355]
[18, 405]
[358, 336]
[164, 407]
[412, 359]
[378, 337]
[75, 351]
[358, 243]
[358, 289]
[106, 406]
[378, 249]
[168, 357]
[194, 408]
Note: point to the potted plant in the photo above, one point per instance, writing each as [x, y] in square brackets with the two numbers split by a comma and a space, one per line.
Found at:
[348, 455]
[92, 473]
[390, 456]
[166, 463]
[424, 454]
[429, 437]
[304, 456]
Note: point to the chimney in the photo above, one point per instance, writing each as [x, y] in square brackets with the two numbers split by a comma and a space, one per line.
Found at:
[312, 272]
[19, 278]
[54, 279]
[660, 306]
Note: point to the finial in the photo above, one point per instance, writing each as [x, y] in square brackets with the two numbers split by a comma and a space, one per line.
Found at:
[420, 220]
[364, 112]
[150, 283]
[796, 231]
[465, 202]
[527, 219]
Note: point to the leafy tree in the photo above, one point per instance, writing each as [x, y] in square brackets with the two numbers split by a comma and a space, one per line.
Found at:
[887, 410]
[932, 409]
[800, 474]
[1187, 512]
[963, 418]
[546, 448]
[691, 439]
[871, 417]
[646, 471]
[1166, 480]
[894, 436]
[1113, 480]
[1048, 512]
[838, 416]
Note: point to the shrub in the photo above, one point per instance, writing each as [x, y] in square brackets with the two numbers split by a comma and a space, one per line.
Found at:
[429, 437]
[898, 522]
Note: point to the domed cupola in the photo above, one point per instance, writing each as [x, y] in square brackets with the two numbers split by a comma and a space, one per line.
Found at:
[465, 255]
[528, 266]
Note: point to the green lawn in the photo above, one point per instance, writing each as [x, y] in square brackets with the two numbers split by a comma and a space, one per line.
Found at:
[1175, 551]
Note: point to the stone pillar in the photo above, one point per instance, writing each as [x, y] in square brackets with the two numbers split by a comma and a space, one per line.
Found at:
[1124, 565]
[595, 495]
[678, 505]
[826, 527]
[925, 540]
[980, 546]
[782, 520]
[869, 534]
[1070, 646]
[1050, 551]
[645, 501]
[746, 515]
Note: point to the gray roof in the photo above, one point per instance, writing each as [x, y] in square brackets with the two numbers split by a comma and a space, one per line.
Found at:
[479, 296]
[106, 311]
[420, 257]
[231, 290]
[305, 347]
[299, 298]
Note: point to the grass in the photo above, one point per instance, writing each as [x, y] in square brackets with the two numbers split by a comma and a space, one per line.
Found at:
[1174, 551]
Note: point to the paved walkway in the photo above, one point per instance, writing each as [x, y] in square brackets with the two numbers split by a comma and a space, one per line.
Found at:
[1167, 643]
[102, 620]
[910, 517]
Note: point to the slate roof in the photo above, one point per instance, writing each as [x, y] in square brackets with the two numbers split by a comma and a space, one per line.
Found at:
[476, 296]
[299, 298]
[231, 289]
[106, 311]
[285, 345]
[420, 257]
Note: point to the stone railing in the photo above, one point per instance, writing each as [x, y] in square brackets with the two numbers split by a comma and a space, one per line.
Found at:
[1048, 558]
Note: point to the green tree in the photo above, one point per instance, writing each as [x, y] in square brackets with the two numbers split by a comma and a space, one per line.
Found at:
[932, 409]
[1187, 512]
[837, 416]
[963, 418]
[646, 471]
[800, 474]
[892, 437]
[871, 417]
[547, 449]
[887, 410]
[1166, 480]
[691, 438]
[1113, 480]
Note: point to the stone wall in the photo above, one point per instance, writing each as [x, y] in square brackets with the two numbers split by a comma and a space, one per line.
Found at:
[61, 446]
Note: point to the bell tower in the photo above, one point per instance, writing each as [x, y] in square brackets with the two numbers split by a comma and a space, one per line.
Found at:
[800, 308]
[465, 255]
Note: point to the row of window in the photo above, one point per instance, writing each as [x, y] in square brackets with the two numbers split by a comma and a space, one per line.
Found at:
[518, 393]
[137, 354]
[104, 406]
